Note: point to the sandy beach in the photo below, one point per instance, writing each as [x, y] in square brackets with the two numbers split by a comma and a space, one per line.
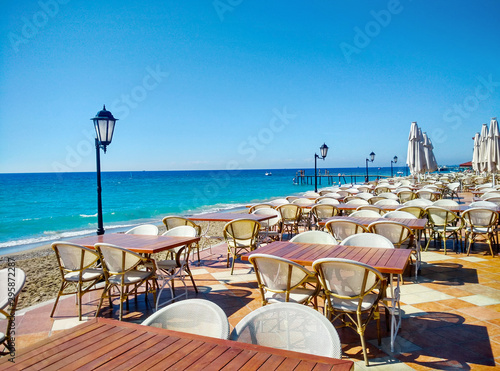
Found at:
[43, 278]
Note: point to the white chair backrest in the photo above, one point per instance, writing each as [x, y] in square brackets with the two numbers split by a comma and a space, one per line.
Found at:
[445, 203]
[303, 202]
[418, 202]
[12, 282]
[389, 195]
[357, 201]
[279, 201]
[194, 316]
[315, 237]
[328, 200]
[368, 240]
[289, 326]
[399, 214]
[365, 214]
[483, 204]
[118, 259]
[181, 231]
[144, 229]
[269, 222]
[387, 202]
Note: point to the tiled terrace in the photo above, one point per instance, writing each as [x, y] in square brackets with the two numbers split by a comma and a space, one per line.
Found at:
[451, 314]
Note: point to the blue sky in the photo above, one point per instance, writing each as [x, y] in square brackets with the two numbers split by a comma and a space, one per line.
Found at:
[239, 83]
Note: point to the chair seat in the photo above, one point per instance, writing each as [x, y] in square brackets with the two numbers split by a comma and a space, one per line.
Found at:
[299, 295]
[90, 274]
[130, 277]
[448, 229]
[346, 305]
[479, 230]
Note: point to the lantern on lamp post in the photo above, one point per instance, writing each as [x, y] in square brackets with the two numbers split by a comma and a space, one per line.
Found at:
[393, 162]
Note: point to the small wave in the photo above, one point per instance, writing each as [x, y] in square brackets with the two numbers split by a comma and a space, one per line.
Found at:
[88, 216]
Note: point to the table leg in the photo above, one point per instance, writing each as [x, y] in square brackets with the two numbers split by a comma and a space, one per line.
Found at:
[394, 309]
[418, 249]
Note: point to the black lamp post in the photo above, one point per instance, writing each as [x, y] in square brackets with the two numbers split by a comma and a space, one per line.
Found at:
[104, 124]
[324, 150]
[372, 158]
[393, 162]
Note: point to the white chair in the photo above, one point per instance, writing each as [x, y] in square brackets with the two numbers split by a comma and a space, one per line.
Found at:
[357, 201]
[389, 196]
[342, 228]
[480, 222]
[12, 281]
[364, 195]
[315, 237]
[487, 204]
[79, 270]
[269, 226]
[377, 209]
[449, 204]
[327, 200]
[368, 240]
[281, 280]
[292, 327]
[121, 272]
[172, 269]
[352, 294]
[194, 316]
[421, 202]
[241, 235]
[399, 214]
[365, 214]
[387, 202]
[144, 229]
[279, 201]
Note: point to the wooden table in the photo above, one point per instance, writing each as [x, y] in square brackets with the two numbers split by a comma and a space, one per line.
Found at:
[227, 217]
[137, 243]
[390, 261]
[107, 344]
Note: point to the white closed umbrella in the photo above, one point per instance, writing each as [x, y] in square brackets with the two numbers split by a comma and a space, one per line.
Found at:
[415, 158]
[430, 159]
[475, 153]
[493, 148]
[483, 149]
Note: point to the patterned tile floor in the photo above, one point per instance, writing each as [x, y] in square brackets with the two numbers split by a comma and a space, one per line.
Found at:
[451, 313]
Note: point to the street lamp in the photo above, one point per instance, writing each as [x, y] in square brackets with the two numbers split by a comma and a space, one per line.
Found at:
[393, 162]
[104, 124]
[324, 150]
[372, 158]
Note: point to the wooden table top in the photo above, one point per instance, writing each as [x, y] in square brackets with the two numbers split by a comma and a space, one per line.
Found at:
[385, 260]
[411, 223]
[227, 217]
[137, 243]
[108, 344]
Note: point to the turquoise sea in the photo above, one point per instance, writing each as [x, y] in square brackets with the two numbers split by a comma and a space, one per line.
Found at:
[38, 209]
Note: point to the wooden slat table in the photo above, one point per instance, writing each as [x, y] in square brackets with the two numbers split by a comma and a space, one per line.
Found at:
[390, 261]
[137, 243]
[106, 344]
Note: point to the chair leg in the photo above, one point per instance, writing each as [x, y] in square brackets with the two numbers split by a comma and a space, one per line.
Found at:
[188, 271]
[61, 290]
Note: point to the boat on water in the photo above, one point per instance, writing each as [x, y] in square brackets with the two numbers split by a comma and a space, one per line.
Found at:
[269, 174]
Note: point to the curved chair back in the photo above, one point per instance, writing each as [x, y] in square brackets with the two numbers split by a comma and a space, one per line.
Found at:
[406, 196]
[373, 200]
[290, 212]
[340, 229]
[377, 209]
[292, 327]
[194, 316]
[399, 214]
[269, 223]
[365, 214]
[327, 201]
[117, 260]
[177, 221]
[368, 240]
[279, 201]
[364, 195]
[323, 211]
[480, 217]
[487, 204]
[395, 232]
[357, 201]
[440, 216]
[144, 229]
[387, 202]
[277, 279]
[303, 202]
[315, 237]
[389, 195]
[449, 204]
[259, 206]
[181, 231]
[419, 202]
[416, 211]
